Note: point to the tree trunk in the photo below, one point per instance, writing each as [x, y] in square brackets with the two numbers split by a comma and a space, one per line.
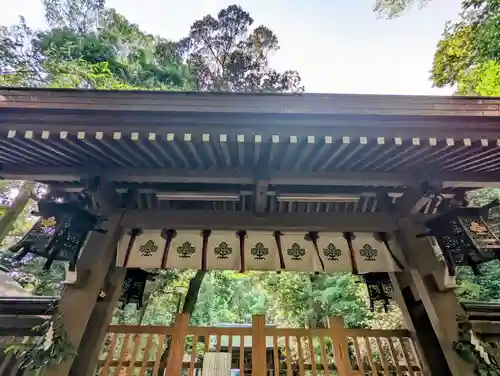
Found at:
[15, 210]
[314, 318]
[142, 311]
[188, 307]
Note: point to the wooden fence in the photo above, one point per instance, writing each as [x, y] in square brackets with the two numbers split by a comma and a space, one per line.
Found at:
[259, 350]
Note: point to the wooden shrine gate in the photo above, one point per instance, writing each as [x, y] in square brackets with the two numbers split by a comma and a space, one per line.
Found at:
[303, 183]
[137, 350]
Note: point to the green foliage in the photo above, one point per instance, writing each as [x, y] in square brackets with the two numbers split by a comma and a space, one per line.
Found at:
[454, 54]
[487, 285]
[286, 299]
[483, 80]
[50, 348]
[470, 353]
[394, 8]
[97, 45]
[468, 54]
[225, 55]
[81, 16]
[308, 299]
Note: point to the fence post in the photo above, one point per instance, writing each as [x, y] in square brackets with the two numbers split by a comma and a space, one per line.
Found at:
[340, 346]
[176, 353]
[259, 355]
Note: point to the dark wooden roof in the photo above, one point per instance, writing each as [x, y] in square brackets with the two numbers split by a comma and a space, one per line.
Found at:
[309, 143]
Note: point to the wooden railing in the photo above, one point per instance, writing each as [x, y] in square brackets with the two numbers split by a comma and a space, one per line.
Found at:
[258, 350]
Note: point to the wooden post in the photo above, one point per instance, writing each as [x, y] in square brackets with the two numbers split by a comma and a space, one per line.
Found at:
[77, 303]
[176, 353]
[97, 327]
[259, 355]
[340, 346]
[434, 318]
[397, 295]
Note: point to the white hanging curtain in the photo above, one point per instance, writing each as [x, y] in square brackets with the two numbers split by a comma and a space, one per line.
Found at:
[261, 251]
[372, 255]
[255, 250]
[186, 250]
[223, 251]
[335, 252]
[299, 254]
[146, 251]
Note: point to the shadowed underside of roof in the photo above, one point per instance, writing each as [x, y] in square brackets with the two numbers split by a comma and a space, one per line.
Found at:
[160, 141]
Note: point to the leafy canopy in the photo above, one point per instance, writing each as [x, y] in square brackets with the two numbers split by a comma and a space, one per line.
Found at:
[225, 55]
[394, 8]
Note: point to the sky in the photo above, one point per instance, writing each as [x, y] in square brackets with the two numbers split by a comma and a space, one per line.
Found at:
[337, 46]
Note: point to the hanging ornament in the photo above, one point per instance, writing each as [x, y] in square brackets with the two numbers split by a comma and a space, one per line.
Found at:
[464, 236]
[59, 234]
[379, 289]
[134, 285]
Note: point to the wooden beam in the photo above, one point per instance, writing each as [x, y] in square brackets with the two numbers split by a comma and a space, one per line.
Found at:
[77, 301]
[87, 357]
[321, 104]
[358, 179]
[260, 196]
[441, 308]
[191, 219]
[97, 327]
[76, 304]
[412, 202]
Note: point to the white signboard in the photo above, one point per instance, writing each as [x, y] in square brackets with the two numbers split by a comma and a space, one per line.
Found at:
[216, 364]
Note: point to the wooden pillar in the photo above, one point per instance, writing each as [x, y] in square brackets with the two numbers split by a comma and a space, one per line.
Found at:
[397, 295]
[77, 301]
[340, 346]
[97, 327]
[432, 311]
[259, 355]
[176, 353]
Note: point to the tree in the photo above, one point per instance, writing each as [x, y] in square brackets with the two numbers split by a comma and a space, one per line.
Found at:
[225, 55]
[394, 8]
[307, 300]
[468, 55]
[85, 33]
[81, 16]
[454, 54]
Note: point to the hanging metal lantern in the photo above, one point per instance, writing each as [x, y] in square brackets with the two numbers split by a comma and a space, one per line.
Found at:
[134, 285]
[59, 234]
[464, 236]
[379, 289]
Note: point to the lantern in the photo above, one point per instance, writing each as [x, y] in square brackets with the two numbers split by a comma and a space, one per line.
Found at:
[379, 289]
[59, 234]
[464, 236]
[134, 285]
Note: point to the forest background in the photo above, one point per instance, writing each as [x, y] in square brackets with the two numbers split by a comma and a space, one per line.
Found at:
[87, 45]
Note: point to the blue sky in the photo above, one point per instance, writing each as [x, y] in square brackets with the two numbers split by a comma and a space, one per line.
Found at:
[337, 46]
